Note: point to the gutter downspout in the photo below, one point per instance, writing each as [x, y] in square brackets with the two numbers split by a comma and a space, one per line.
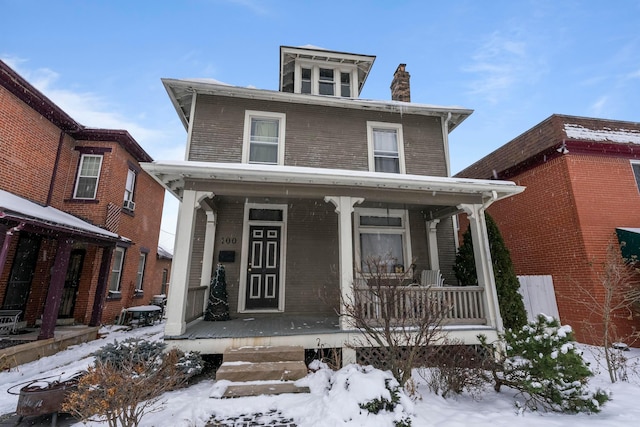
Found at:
[55, 169]
[445, 140]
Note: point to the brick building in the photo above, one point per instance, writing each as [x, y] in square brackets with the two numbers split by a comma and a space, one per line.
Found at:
[79, 218]
[582, 177]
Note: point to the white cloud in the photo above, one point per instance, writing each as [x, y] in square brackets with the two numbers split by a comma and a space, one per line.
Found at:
[501, 63]
[599, 106]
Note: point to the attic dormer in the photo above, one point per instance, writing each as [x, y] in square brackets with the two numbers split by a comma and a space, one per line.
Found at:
[316, 71]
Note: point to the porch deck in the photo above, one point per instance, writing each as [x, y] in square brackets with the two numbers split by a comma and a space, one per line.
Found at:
[262, 326]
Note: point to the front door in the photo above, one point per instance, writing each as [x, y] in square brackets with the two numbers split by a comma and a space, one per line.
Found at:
[263, 268]
[22, 269]
[71, 283]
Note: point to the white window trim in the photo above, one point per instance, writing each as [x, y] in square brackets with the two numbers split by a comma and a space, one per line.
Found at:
[404, 231]
[140, 274]
[95, 190]
[248, 115]
[398, 128]
[315, 77]
[245, 255]
[117, 249]
[132, 173]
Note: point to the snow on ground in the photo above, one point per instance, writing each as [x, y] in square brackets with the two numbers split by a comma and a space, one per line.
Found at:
[324, 407]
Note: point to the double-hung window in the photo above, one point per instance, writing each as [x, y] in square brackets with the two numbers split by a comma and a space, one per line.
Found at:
[264, 138]
[88, 177]
[635, 165]
[386, 153]
[140, 276]
[128, 190]
[321, 79]
[116, 270]
[382, 240]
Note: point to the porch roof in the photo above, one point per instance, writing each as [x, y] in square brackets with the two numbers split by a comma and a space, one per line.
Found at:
[287, 179]
[19, 209]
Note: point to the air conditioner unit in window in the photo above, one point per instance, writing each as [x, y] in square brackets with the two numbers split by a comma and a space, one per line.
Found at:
[129, 204]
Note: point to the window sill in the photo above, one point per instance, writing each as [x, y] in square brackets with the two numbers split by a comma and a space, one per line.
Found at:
[83, 201]
[114, 296]
[138, 294]
[128, 212]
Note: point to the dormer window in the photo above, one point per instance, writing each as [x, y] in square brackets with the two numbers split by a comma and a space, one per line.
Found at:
[316, 71]
[322, 80]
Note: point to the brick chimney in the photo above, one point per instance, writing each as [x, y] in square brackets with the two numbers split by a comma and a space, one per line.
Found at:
[400, 90]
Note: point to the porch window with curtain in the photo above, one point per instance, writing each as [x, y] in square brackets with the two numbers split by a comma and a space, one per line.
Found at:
[264, 140]
[382, 239]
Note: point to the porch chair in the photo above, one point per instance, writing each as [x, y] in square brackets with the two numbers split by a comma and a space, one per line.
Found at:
[431, 278]
[9, 321]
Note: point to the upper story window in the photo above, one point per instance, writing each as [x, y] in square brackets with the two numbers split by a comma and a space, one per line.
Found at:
[263, 138]
[325, 80]
[386, 153]
[128, 190]
[88, 176]
[636, 172]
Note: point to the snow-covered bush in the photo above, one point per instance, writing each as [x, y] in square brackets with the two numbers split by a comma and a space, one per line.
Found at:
[542, 362]
[360, 392]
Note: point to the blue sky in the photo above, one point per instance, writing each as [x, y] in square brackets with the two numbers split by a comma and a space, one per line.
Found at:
[514, 62]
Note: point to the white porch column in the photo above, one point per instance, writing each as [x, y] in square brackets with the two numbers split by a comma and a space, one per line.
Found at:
[207, 255]
[344, 208]
[432, 241]
[179, 284]
[484, 265]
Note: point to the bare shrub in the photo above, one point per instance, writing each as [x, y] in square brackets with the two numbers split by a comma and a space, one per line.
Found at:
[396, 317]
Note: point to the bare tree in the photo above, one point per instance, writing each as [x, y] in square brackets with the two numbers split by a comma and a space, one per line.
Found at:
[617, 296]
[398, 318]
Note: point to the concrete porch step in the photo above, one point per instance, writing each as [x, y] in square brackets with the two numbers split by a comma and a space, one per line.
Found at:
[248, 389]
[261, 371]
[264, 354]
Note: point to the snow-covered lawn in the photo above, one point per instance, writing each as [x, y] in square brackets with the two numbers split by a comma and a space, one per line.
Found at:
[336, 406]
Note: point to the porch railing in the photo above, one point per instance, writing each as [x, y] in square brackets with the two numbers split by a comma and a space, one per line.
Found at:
[461, 305]
[195, 302]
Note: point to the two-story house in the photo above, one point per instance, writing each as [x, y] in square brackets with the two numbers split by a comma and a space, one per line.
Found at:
[79, 218]
[583, 178]
[293, 190]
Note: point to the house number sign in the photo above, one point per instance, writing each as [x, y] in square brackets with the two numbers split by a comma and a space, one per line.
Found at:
[229, 240]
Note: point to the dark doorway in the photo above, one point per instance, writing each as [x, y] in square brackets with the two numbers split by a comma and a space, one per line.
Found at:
[71, 283]
[22, 269]
[263, 277]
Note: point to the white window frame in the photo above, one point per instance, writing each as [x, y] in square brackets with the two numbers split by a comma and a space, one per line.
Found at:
[142, 262]
[251, 114]
[97, 178]
[383, 125]
[116, 269]
[315, 78]
[129, 188]
[404, 231]
[636, 164]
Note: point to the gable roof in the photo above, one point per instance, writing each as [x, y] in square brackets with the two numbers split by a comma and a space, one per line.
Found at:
[556, 136]
[36, 100]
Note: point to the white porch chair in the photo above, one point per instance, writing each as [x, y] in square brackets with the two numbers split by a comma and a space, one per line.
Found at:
[431, 278]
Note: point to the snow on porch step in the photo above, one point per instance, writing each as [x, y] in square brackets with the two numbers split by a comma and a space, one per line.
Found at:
[227, 389]
[262, 371]
[264, 354]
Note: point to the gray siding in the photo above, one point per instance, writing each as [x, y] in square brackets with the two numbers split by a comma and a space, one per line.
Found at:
[315, 136]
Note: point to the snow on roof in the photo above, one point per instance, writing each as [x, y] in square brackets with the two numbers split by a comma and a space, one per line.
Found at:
[574, 131]
[164, 253]
[12, 204]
